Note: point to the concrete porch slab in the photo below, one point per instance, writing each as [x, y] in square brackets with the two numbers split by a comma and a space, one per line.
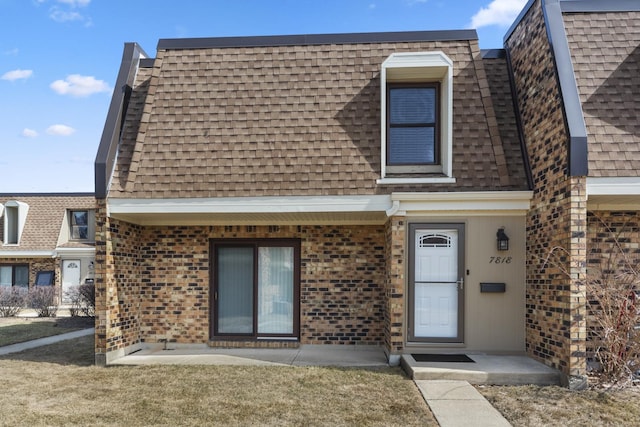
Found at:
[487, 369]
[305, 355]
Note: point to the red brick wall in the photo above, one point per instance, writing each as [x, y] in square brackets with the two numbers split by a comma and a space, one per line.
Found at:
[161, 278]
[556, 224]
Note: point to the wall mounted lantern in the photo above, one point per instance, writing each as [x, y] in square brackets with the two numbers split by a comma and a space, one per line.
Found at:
[503, 240]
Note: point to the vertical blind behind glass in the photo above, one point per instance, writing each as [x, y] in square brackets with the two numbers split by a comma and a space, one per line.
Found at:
[412, 116]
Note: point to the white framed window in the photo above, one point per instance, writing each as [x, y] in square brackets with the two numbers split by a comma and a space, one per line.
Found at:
[81, 225]
[15, 217]
[417, 117]
[14, 275]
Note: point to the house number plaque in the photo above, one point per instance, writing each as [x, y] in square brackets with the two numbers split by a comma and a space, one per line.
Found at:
[500, 260]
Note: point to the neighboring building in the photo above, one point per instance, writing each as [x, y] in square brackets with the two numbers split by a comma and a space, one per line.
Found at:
[359, 188]
[47, 240]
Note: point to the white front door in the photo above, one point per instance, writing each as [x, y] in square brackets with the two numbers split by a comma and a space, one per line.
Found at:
[436, 284]
[70, 277]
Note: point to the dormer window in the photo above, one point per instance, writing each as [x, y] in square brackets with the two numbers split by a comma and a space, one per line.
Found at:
[81, 225]
[15, 217]
[412, 127]
[417, 119]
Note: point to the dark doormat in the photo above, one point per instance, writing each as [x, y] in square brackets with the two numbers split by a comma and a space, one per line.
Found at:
[461, 358]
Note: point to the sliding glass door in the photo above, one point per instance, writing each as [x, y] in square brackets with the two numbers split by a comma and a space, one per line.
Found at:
[255, 288]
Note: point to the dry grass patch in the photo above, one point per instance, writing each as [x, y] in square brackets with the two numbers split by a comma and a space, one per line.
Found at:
[556, 406]
[80, 394]
[15, 330]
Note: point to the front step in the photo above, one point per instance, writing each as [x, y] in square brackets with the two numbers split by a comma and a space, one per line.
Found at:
[487, 369]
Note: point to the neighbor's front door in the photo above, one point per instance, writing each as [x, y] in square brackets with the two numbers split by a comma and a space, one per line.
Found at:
[70, 277]
[436, 288]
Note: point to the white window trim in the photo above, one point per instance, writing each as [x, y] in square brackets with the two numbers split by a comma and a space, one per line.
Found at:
[22, 210]
[90, 226]
[420, 67]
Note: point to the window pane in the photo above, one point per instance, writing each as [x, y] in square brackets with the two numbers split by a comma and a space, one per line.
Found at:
[5, 276]
[412, 105]
[22, 275]
[275, 290]
[410, 146]
[44, 278]
[79, 217]
[235, 290]
[79, 232]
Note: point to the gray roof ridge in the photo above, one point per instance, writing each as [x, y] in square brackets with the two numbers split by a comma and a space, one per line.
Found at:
[52, 194]
[316, 39]
[569, 6]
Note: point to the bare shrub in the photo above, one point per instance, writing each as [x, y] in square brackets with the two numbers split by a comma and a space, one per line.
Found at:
[83, 300]
[12, 300]
[612, 287]
[613, 290]
[75, 304]
[88, 299]
[43, 300]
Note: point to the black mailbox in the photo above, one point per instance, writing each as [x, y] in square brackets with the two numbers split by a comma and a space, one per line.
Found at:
[493, 287]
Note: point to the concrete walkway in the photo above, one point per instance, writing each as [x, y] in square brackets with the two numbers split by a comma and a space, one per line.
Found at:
[16, 348]
[458, 403]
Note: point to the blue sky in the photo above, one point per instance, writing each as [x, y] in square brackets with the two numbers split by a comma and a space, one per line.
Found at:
[59, 60]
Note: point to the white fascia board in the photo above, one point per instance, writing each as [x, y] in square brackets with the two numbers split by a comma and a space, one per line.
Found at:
[435, 58]
[88, 252]
[513, 202]
[613, 186]
[27, 254]
[426, 180]
[292, 204]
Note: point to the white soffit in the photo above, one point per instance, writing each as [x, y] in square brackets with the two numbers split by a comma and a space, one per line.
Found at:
[76, 251]
[313, 210]
[253, 210]
[613, 193]
[292, 204]
[624, 186]
[462, 203]
[27, 254]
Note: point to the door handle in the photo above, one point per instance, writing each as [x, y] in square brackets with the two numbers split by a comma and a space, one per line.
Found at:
[460, 283]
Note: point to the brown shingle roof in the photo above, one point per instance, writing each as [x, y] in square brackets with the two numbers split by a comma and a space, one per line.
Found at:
[44, 219]
[605, 50]
[285, 120]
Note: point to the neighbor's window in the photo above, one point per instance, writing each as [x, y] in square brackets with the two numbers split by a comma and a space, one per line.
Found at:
[14, 275]
[79, 225]
[44, 278]
[412, 132]
[11, 225]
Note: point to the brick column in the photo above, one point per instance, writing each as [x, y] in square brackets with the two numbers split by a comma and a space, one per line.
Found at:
[100, 274]
[395, 236]
[577, 367]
